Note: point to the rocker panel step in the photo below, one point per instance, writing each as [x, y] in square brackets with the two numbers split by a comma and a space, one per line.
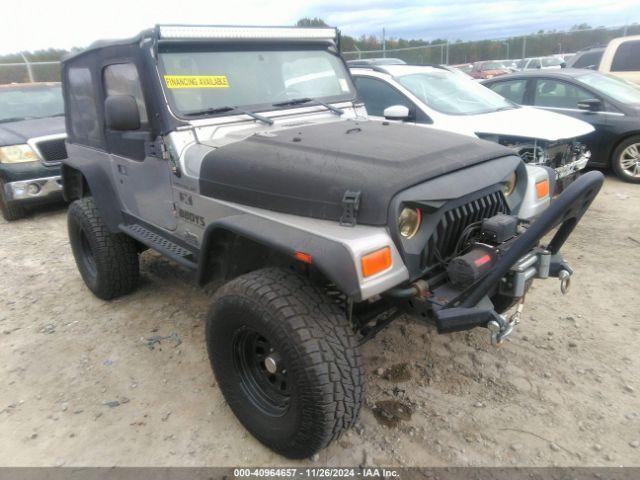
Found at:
[160, 244]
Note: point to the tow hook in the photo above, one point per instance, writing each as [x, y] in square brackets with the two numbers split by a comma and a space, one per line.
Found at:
[501, 328]
[565, 281]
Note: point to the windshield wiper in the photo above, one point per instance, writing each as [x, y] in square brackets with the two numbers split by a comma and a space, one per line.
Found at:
[508, 107]
[299, 101]
[212, 111]
[16, 119]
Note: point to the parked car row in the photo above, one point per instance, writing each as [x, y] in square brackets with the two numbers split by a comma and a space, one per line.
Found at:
[620, 57]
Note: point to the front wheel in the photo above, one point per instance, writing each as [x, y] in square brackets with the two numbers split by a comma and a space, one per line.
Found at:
[286, 360]
[626, 160]
[10, 211]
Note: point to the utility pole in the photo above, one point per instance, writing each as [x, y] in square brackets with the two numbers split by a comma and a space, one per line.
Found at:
[447, 59]
[507, 44]
[524, 47]
[384, 44]
[359, 52]
[29, 71]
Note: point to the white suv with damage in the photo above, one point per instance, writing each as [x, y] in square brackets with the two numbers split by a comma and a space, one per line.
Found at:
[435, 97]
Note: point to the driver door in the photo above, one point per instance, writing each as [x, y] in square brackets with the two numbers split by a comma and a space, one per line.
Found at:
[142, 176]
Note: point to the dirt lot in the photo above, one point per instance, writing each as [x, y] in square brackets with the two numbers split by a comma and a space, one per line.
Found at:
[86, 382]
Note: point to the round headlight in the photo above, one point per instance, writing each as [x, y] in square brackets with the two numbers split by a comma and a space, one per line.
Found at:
[509, 185]
[409, 222]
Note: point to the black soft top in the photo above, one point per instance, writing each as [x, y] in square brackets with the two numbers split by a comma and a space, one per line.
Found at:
[307, 170]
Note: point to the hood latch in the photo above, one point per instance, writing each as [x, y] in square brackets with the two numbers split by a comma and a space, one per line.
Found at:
[350, 207]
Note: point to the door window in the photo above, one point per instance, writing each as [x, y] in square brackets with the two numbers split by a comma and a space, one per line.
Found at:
[122, 79]
[588, 60]
[627, 57]
[378, 95]
[513, 90]
[552, 93]
[534, 63]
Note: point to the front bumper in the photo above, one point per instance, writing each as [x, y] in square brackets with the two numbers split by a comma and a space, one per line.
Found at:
[522, 261]
[33, 189]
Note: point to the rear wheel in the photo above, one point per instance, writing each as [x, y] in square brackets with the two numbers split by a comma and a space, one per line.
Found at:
[10, 211]
[286, 360]
[108, 262]
[626, 160]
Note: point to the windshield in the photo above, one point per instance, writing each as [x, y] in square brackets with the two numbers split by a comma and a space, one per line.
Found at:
[493, 66]
[196, 81]
[552, 62]
[22, 102]
[453, 94]
[614, 87]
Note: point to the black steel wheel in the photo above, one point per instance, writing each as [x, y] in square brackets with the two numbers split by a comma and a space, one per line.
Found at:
[262, 372]
[286, 360]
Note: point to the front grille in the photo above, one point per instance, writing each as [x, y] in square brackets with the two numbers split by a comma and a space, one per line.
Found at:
[442, 243]
[52, 150]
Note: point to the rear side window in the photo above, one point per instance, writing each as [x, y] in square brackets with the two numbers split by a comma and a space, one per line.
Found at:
[85, 127]
[122, 79]
[511, 90]
[627, 57]
[588, 60]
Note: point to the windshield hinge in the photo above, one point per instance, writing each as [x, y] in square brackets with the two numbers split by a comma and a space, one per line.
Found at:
[157, 149]
[350, 207]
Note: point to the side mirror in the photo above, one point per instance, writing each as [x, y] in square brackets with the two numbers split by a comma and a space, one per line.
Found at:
[397, 112]
[121, 113]
[563, 65]
[591, 104]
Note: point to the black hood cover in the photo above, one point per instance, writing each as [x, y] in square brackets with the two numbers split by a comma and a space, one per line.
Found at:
[307, 170]
[12, 133]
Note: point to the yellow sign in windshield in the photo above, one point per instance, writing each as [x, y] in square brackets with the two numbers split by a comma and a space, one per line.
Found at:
[196, 81]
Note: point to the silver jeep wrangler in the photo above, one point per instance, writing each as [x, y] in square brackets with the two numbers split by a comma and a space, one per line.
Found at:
[243, 154]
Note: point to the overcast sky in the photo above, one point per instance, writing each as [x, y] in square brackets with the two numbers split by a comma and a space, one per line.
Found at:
[36, 24]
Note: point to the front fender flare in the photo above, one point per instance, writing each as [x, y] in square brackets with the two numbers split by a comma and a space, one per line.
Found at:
[331, 258]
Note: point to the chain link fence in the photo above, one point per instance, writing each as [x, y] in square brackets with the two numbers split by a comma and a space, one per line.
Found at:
[449, 53]
[26, 71]
[537, 45]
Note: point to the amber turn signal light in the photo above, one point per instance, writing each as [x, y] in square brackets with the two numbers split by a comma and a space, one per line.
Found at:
[542, 188]
[303, 257]
[375, 262]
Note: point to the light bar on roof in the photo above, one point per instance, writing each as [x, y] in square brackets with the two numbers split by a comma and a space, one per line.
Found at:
[246, 33]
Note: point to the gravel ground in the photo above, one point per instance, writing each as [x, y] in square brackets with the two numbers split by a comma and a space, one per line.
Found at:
[88, 382]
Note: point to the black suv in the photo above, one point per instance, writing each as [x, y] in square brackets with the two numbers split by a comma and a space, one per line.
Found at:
[242, 153]
[32, 137]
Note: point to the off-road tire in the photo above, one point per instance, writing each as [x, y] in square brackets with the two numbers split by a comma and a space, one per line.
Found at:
[616, 160]
[10, 211]
[314, 341]
[108, 262]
